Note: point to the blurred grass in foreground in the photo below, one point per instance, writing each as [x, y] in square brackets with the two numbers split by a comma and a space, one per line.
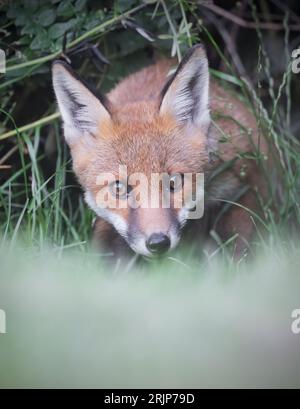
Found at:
[73, 323]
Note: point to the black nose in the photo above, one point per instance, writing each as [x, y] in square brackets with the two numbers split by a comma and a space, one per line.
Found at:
[158, 243]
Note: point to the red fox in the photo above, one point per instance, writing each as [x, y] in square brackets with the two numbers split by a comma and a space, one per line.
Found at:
[155, 123]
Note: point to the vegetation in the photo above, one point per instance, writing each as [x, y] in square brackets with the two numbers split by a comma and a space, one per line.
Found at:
[43, 216]
[40, 199]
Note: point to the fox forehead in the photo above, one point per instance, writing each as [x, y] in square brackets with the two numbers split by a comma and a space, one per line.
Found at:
[146, 142]
[142, 144]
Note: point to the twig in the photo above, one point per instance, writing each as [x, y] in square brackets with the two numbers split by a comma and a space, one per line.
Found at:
[247, 24]
[8, 155]
[235, 28]
[230, 45]
[285, 9]
[175, 35]
[42, 121]
[190, 41]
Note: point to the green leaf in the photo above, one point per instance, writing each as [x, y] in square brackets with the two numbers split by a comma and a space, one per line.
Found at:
[65, 9]
[41, 41]
[46, 17]
[80, 4]
[13, 11]
[31, 5]
[30, 29]
[23, 41]
[93, 19]
[59, 29]
[126, 4]
[22, 19]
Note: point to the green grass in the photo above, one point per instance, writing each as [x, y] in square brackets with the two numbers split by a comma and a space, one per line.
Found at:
[42, 204]
[53, 212]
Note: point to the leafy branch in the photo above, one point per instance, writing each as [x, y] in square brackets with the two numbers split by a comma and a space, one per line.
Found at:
[91, 33]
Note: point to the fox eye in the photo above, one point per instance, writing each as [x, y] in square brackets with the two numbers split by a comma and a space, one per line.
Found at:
[119, 189]
[176, 182]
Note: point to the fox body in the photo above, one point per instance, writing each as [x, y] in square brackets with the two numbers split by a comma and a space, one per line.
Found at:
[152, 122]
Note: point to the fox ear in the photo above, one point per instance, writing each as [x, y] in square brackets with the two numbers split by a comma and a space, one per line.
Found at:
[81, 110]
[186, 94]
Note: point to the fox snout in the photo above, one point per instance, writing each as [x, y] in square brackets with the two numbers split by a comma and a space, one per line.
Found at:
[158, 243]
[153, 232]
[147, 231]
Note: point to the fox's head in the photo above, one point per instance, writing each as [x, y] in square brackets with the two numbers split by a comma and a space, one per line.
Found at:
[164, 133]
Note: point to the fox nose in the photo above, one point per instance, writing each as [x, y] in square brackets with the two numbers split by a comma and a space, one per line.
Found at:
[158, 243]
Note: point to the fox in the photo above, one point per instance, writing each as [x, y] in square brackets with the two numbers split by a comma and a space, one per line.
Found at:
[161, 121]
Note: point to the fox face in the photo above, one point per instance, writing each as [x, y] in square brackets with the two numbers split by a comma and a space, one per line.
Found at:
[123, 146]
